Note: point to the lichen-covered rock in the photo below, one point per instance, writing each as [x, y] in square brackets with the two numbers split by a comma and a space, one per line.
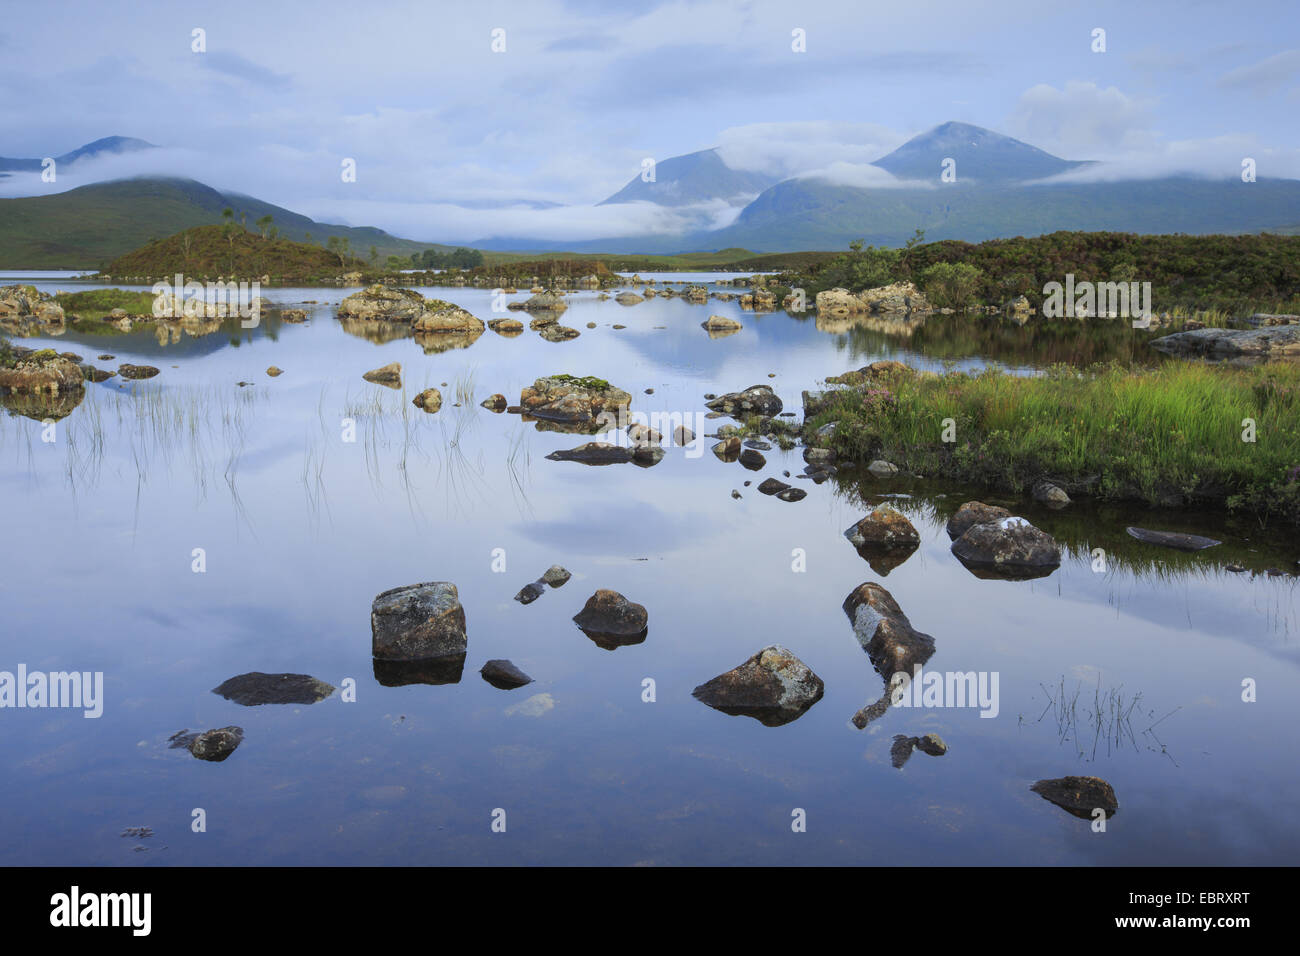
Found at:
[755, 400]
[556, 576]
[380, 302]
[418, 622]
[255, 688]
[774, 687]
[883, 527]
[720, 323]
[1282, 341]
[506, 327]
[545, 302]
[1079, 796]
[1009, 547]
[892, 644]
[973, 513]
[566, 398]
[628, 298]
[445, 317]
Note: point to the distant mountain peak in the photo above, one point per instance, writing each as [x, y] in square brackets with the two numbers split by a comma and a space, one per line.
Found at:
[692, 178]
[112, 145]
[980, 154]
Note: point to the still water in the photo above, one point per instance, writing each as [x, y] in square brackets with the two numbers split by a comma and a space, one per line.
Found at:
[1132, 673]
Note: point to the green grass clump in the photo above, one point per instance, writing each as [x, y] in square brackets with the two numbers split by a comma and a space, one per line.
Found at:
[98, 303]
[1169, 433]
[589, 382]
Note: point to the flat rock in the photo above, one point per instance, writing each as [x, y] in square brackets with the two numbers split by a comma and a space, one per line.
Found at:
[255, 688]
[136, 372]
[594, 453]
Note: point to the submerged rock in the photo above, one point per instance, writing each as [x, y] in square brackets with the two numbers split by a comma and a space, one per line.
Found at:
[1008, 548]
[903, 746]
[504, 675]
[1173, 539]
[1049, 494]
[611, 620]
[389, 375]
[791, 494]
[1079, 796]
[418, 622]
[774, 687]
[255, 688]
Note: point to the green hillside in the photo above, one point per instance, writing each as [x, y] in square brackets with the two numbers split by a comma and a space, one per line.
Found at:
[230, 250]
[86, 227]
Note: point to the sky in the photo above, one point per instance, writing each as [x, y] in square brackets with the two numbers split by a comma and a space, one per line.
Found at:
[453, 112]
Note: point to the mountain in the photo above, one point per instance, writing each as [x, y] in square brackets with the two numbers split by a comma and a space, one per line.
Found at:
[998, 193]
[108, 145]
[979, 154]
[693, 178]
[87, 226]
[812, 214]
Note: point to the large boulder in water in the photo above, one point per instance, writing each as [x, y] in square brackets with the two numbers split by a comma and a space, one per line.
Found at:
[1007, 548]
[444, 317]
[611, 620]
[755, 400]
[893, 646]
[545, 302]
[884, 528]
[566, 398]
[418, 622]
[381, 303]
[774, 687]
[1282, 341]
[42, 385]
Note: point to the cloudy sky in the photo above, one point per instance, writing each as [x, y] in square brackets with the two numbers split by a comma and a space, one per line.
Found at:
[441, 125]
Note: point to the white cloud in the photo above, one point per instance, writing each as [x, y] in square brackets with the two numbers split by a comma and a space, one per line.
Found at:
[1083, 121]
